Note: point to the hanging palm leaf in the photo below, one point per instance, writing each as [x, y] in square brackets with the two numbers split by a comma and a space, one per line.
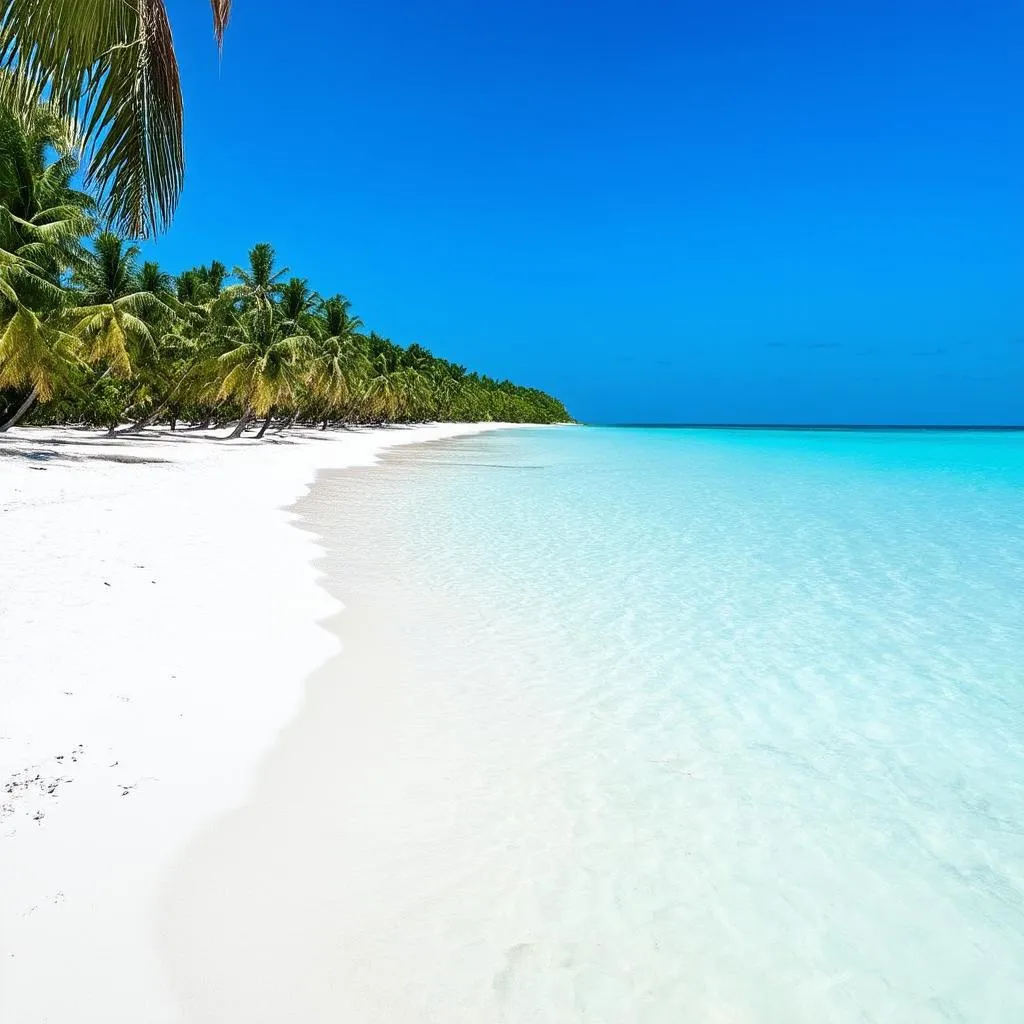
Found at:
[111, 64]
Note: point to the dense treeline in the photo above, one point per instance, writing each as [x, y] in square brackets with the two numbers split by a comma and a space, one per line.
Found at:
[90, 334]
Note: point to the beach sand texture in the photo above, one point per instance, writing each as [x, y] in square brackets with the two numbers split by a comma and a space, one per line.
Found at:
[159, 615]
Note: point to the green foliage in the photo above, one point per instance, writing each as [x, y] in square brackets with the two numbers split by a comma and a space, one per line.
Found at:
[42, 221]
[111, 65]
[95, 337]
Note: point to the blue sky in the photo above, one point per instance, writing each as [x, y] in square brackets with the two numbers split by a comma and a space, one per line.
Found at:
[749, 212]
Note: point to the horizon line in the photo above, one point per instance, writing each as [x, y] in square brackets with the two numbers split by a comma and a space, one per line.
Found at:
[949, 427]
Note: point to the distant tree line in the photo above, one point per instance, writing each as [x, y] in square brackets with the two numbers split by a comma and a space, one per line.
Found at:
[91, 335]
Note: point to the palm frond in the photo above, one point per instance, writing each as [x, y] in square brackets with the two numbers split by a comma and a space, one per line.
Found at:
[221, 15]
[111, 63]
[34, 353]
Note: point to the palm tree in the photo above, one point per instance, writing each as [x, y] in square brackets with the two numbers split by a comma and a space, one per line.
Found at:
[337, 365]
[391, 394]
[337, 321]
[215, 275]
[262, 368]
[155, 281]
[113, 306]
[260, 282]
[194, 338]
[201, 284]
[35, 353]
[160, 377]
[417, 357]
[42, 219]
[111, 64]
[445, 391]
[297, 301]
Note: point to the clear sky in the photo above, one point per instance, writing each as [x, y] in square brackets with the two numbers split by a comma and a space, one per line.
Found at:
[799, 212]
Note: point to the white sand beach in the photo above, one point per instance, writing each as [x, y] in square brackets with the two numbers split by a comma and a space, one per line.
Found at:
[159, 615]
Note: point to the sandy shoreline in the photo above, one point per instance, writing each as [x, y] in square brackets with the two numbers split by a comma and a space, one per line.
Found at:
[357, 880]
[159, 617]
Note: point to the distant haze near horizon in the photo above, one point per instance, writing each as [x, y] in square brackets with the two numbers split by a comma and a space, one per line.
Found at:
[660, 213]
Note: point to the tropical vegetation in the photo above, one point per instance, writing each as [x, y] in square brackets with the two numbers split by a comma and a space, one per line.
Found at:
[90, 333]
[110, 65]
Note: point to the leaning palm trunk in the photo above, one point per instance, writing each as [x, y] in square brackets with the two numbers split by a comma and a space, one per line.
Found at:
[21, 412]
[266, 423]
[148, 421]
[242, 423]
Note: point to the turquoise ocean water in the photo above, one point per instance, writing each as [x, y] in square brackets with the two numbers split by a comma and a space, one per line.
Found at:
[768, 694]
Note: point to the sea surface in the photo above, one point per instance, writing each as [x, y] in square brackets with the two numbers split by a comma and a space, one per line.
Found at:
[645, 725]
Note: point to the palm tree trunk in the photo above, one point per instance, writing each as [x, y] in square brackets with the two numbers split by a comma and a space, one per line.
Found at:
[21, 411]
[148, 421]
[266, 423]
[242, 424]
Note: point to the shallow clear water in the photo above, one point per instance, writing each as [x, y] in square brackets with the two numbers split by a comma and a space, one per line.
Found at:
[779, 680]
[660, 726]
